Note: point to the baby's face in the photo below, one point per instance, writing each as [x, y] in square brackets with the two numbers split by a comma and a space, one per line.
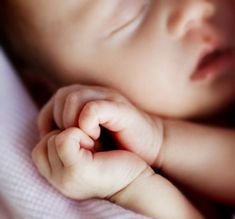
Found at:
[170, 57]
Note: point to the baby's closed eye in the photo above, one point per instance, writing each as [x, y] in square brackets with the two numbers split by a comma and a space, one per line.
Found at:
[126, 21]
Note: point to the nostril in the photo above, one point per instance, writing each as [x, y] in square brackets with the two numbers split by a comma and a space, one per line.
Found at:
[174, 22]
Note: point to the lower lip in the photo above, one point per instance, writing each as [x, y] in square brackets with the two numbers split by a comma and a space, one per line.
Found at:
[215, 67]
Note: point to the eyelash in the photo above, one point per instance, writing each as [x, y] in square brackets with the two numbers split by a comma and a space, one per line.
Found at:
[127, 24]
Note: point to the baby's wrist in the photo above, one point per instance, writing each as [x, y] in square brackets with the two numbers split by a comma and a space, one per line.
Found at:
[123, 196]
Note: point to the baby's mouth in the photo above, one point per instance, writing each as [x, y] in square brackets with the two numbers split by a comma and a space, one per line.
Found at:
[214, 63]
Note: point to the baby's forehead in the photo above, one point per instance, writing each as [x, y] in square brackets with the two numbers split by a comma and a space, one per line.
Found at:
[34, 14]
[43, 13]
[44, 6]
[61, 8]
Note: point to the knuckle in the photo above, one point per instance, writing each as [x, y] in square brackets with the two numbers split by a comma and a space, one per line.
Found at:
[77, 96]
[83, 92]
[91, 107]
[66, 135]
[59, 142]
[73, 97]
[60, 92]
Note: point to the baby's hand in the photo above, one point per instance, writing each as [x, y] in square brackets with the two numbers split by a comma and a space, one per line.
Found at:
[66, 161]
[89, 107]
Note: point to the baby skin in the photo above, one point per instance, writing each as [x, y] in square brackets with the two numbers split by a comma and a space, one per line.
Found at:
[71, 162]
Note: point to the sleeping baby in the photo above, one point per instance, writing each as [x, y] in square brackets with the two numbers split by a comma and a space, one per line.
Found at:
[135, 68]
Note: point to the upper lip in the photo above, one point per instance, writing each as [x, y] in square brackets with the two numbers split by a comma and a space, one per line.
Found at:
[215, 47]
[209, 49]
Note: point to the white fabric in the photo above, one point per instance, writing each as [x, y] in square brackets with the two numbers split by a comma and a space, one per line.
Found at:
[23, 192]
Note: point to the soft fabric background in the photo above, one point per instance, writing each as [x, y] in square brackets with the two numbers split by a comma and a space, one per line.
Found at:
[23, 193]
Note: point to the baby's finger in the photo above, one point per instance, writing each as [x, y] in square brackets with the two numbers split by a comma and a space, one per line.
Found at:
[75, 102]
[109, 114]
[59, 102]
[45, 119]
[53, 157]
[40, 156]
[68, 144]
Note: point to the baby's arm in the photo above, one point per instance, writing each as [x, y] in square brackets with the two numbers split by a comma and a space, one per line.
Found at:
[66, 161]
[201, 158]
[156, 197]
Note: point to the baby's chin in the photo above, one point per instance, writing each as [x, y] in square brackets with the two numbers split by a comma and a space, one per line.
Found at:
[205, 105]
[198, 112]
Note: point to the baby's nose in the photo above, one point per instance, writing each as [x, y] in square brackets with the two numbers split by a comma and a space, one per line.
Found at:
[188, 15]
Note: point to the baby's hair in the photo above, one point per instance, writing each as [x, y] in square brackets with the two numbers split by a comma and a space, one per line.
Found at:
[10, 35]
[6, 28]
[2, 3]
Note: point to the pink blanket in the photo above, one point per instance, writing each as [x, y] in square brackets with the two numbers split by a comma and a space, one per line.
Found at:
[23, 192]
